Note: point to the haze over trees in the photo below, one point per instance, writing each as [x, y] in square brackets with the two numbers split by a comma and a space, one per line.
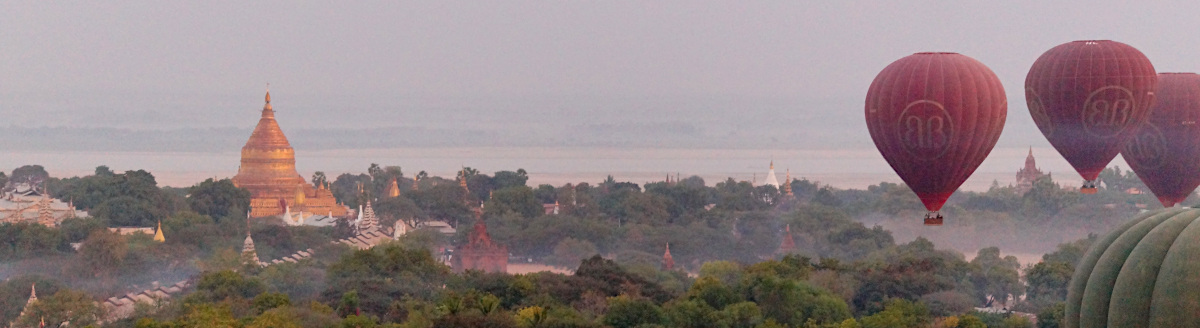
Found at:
[843, 273]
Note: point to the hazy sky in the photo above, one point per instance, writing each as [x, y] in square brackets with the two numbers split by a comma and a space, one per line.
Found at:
[348, 63]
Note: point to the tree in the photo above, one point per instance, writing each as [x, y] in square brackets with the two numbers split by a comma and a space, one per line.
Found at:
[218, 199]
[995, 278]
[628, 312]
[1048, 280]
[102, 253]
[1051, 316]
[898, 313]
[63, 306]
[268, 301]
[319, 179]
[690, 314]
[126, 211]
[506, 179]
[29, 174]
[519, 200]
[225, 284]
[569, 251]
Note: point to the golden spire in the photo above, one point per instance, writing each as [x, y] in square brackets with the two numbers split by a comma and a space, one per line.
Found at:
[158, 235]
[393, 189]
[772, 164]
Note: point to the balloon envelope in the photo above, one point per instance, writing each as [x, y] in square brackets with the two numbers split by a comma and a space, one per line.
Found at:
[1165, 151]
[1088, 97]
[935, 117]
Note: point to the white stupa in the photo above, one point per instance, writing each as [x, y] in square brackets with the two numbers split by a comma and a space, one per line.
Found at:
[771, 180]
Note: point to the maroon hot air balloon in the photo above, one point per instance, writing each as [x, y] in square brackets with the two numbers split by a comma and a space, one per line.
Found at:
[1165, 150]
[1087, 98]
[935, 117]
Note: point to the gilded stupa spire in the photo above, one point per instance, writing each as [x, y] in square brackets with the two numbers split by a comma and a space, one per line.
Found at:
[268, 167]
[158, 235]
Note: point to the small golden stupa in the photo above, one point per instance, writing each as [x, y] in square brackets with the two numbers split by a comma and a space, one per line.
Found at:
[268, 171]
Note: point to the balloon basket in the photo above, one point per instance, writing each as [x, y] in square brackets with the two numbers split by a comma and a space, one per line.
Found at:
[933, 219]
[1089, 187]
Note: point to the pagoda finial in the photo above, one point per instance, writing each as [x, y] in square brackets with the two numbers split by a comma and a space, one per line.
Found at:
[33, 292]
[772, 163]
[267, 107]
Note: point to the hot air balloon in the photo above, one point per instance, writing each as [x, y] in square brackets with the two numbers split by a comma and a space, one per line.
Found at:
[934, 117]
[1165, 150]
[1087, 98]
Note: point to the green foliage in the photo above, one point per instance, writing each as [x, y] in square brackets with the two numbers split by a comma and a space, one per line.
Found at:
[126, 211]
[29, 174]
[508, 179]
[713, 293]
[571, 251]
[63, 306]
[221, 285]
[995, 278]
[970, 321]
[268, 301]
[691, 314]
[627, 312]
[384, 273]
[613, 278]
[1051, 316]
[794, 302]
[898, 313]
[907, 272]
[28, 240]
[15, 291]
[1048, 280]
[218, 198]
[517, 199]
[102, 253]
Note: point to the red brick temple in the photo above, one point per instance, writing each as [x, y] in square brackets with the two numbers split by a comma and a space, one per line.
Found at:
[668, 260]
[481, 253]
[788, 245]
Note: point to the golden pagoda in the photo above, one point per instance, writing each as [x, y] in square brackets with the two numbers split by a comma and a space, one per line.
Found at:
[268, 171]
[158, 235]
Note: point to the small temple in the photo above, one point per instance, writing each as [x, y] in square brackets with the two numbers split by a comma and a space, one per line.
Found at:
[771, 180]
[1028, 174]
[668, 260]
[249, 254]
[481, 253]
[788, 245]
[21, 202]
[787, 184]
[367, 221]
[158, 234]
[268, 171]
[393, 190]
[28, 304]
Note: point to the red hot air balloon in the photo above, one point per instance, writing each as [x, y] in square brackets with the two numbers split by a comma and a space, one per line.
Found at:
[1088, 98]
[1165, 151]
[935, 117]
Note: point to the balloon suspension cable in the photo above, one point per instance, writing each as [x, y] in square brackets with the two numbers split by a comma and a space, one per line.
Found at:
[933, 218]
[1089, 187]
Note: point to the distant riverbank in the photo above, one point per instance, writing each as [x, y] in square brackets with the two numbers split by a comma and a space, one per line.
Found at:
[849, 168]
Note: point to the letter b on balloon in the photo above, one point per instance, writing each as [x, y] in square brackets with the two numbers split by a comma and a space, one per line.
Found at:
[926, 129]
[1107, 111]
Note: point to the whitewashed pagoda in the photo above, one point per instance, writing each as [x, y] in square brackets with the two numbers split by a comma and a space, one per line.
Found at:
[771, 180]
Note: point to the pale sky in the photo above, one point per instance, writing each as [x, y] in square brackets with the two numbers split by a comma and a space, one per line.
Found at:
[157, 64]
